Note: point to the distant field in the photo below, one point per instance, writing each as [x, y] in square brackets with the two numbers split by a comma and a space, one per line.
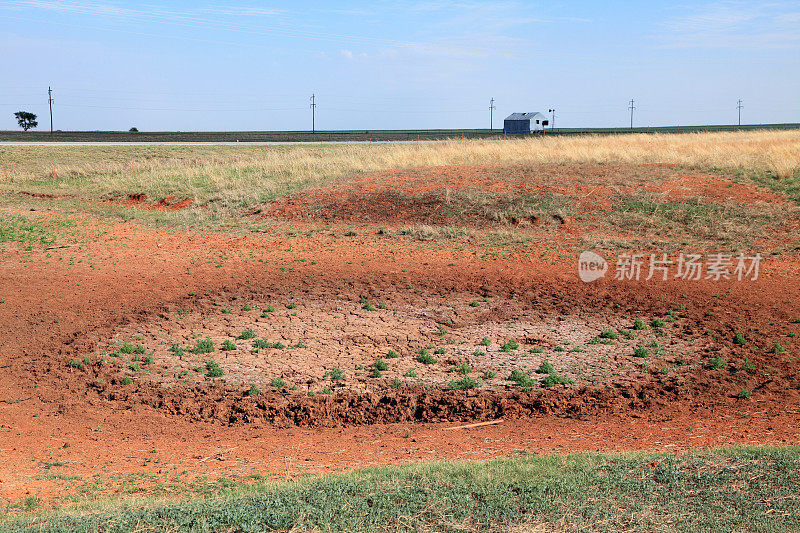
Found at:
[346, 135]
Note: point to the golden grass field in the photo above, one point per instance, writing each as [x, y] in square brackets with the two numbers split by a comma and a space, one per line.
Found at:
[231, 174]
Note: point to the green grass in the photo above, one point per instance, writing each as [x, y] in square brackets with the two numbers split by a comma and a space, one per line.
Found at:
[228, 346]
[203, 346]
[546, 368]
[264, 343]
[425, 357]
[213, 369]
[336, 374]
[464, 383]
[608, 334]
[716, 363]
[509, 346]
[554, 379]
[729, 489]
[246, 335]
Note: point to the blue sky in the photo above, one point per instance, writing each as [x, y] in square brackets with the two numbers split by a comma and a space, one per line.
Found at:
[397, 64]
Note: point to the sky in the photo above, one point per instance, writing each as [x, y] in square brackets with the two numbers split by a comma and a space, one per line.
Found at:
[399, 64]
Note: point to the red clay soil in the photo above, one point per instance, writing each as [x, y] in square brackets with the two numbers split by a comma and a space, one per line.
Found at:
[437, 195]
[59, 305]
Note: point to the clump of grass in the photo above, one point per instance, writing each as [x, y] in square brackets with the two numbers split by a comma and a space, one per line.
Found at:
[627, 334]
[126, 380]
[410, 374]
[148, 360]
[489, 374]
[639, 324]
[777, 348]
[264, 343]
[247, 335]
[392, 355]
[464, 369]
[213, 369]
[440, 351]
[228, 346]
[485, 341]
[203, 346]
[546, 368]
[396, 383]
[739, 339]
[536, 349]
[509, 345]
[522, 379]
[474, 303]
[747, 364]
[326, 390]
[368, 307]
[130, 349]
[267, 310]
[277, 382]
[744, 394]
[716, 363]
[380, 365]
[176, 350]
[559, 349]
[657, 323]
[554, 379]
[425, 357]
[640, 351]
[226, 311]
[608, 334]
[253, 391]
[135, 367]
[464, 383]
[336, 374]
[291, 305]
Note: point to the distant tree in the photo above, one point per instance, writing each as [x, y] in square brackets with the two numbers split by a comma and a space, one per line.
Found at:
[26, 120]
[133, 130]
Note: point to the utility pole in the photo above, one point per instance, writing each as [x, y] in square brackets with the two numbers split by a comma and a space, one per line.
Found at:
[313, 113]
[553, 119]
[491, 114]
[631, 107]
[50, 101]
[739, 106]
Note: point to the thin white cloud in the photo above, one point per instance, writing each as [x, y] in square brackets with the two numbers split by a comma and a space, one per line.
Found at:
[731, 24]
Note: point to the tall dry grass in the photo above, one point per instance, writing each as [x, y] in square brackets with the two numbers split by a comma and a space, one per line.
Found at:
[236, 174]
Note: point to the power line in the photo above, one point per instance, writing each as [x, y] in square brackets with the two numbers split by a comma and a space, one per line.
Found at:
[313, 113]
[50, 101]
[739, 106]
[631, 107]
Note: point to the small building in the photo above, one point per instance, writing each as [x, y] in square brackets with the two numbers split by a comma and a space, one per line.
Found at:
[525, 123]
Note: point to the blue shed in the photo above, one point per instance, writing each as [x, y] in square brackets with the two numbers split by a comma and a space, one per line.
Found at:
[525, 123]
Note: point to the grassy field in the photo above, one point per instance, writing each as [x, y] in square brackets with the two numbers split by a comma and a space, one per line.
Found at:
[729, 489]
[231, 174]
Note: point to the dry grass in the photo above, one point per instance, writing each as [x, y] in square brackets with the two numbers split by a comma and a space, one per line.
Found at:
[236, 175]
